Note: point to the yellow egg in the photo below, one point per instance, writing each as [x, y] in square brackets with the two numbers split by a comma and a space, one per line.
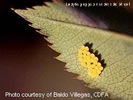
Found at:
[90, 61]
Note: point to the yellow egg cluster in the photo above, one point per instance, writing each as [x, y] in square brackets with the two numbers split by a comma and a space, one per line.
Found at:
[90, 61]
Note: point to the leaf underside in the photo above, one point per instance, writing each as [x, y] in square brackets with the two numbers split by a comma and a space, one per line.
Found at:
[68, 32]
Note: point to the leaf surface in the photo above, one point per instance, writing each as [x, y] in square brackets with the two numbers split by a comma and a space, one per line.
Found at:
[68, 32]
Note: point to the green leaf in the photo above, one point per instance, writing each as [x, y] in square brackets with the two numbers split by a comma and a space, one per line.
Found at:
[68, 33]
